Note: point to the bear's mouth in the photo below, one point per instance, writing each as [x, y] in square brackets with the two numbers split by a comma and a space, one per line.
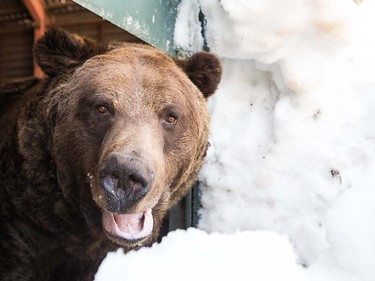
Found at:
[129, 227]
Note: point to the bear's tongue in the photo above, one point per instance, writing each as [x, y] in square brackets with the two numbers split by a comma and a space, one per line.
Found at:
[128, 226]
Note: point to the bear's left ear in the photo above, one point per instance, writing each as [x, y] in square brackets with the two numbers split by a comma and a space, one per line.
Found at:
[204, 70]
[59, 50]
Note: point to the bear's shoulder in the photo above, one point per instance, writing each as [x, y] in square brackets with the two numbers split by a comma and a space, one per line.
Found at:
[14, 96]
[14, 90]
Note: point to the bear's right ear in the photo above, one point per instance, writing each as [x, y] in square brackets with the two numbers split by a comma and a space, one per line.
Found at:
[59, 50]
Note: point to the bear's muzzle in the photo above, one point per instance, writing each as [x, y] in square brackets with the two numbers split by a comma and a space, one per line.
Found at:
[126, 179]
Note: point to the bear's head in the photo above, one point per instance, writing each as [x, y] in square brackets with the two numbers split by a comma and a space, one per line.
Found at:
[129, 128]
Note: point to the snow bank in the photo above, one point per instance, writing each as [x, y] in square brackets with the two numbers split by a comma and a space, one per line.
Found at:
[292, 131]
[196, 255]
[292, 146]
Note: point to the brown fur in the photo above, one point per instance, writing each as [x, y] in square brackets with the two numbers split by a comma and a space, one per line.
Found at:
[53, 141]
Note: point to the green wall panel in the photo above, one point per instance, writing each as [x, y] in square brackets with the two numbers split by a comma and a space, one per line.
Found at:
[152, 21]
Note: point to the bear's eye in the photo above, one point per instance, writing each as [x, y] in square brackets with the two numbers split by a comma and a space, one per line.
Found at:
[171, 119]
[102, 109]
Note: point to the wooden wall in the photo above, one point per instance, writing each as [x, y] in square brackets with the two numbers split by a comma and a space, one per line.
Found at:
[16, 41]
[16, 55]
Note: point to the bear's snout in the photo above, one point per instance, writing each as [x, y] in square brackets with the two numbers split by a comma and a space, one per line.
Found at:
[126, 179]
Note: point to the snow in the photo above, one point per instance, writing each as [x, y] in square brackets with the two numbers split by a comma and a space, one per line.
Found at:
[288, 183]
[187, 33]
[200, 258]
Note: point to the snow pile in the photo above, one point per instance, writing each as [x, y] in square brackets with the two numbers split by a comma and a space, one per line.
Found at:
[292, 147]
[292, 128]
[196, 255]
[187, 32]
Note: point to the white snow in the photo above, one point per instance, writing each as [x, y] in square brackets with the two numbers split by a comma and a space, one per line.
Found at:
[200, 257]
[291, 167]
[187, 33]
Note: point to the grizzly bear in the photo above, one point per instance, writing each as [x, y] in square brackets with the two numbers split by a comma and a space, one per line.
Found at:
[94, 154]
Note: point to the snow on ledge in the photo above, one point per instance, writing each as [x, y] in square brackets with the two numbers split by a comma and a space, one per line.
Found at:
[197, 255]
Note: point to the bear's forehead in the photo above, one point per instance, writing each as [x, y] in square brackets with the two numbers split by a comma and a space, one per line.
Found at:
[136, 55]
[136, 80]
[129, 76]
[132, 66]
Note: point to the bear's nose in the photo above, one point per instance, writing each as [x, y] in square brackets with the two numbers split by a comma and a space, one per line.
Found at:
[126, 179]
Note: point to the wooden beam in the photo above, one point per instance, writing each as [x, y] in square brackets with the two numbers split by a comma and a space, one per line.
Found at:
[38, 14]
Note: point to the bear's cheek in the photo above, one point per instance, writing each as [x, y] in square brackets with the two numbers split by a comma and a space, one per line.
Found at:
[93, 126]
[179, 148]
